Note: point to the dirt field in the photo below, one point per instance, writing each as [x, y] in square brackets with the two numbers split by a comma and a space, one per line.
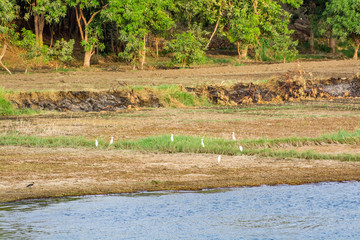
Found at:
[62, 172]
[100, 80]
[67, 171]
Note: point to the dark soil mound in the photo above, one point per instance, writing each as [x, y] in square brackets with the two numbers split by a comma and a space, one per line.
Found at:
[274, 91]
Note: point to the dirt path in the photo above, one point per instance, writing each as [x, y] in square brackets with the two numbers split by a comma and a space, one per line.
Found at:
[63, 171]
[104, 80]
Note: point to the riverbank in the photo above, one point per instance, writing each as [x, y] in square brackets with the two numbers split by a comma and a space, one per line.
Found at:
[68, 172]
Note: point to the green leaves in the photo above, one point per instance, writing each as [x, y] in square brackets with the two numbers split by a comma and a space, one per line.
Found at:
[7, 15]
[344, 17]
[61, 51]
[136, 19]
[187, 48]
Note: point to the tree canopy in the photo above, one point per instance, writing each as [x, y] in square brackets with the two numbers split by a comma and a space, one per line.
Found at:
[344, 17]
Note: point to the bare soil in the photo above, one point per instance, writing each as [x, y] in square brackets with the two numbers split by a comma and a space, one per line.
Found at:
[105, 80]
[296, 119]
[63, 172]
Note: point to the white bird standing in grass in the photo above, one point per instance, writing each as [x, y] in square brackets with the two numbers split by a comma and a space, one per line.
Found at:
[241, 148]
[202, 143]
[233, 136]
[219, 158]
[172, 137]
[111, 141]
[96, 143]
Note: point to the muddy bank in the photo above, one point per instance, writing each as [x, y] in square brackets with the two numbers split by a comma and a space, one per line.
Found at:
[65, 171]
[274, 91]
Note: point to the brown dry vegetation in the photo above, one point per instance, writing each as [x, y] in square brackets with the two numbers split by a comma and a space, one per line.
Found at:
[66, 171]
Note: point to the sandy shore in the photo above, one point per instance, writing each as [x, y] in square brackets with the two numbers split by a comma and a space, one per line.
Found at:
[65, 171]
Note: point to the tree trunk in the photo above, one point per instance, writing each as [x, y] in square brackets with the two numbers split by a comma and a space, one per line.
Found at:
[87, 58]
[157, 46]
[332, 43]
[242, 53]
[238, 50]
[1, 57]
[143, 54]
[39, 22]
[112, 40]
[357, 45]
[312, 49]
[51, 36]
[216, 27]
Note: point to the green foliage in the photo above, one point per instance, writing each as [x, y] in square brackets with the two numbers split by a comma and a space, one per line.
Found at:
[174, 96]
[61, 51]
[243, 26]
[52, 10]
[344, 19]
[7, 15]
[187, 48]
[136, 20]
[94, 37]
[31, 51]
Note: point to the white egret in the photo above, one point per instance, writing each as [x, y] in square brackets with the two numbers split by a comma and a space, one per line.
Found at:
[172, 137]
[233, 136]
[96, 143]
[219, 158]
[241, 148]
[202, 143]
[111, 141]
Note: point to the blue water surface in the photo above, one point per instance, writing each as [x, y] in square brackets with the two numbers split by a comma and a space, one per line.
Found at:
[314, 211]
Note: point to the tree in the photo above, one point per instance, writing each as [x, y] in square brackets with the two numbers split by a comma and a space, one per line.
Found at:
[89, 26]
[187, 47]
[30, 52]
[203, 13]
[344, 17]
[50, 11]
[61, 51]
[255, 23]
[136, 19]
[243, 28]
[7, 15]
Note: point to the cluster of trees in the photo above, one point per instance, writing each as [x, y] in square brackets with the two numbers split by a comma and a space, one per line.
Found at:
[187, 27]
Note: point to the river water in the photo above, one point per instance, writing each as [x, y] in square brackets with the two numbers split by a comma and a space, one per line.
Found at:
[313, 211]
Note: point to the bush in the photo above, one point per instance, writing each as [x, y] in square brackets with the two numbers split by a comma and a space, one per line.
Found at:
[187, 48]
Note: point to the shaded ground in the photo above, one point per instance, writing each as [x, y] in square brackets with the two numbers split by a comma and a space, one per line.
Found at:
[61, 172]
[105, 80]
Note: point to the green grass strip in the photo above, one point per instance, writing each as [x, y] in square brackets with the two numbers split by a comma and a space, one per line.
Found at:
[340, 137]
[192, 144]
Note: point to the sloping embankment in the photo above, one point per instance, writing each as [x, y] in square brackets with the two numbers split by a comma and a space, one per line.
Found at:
[274, 91]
